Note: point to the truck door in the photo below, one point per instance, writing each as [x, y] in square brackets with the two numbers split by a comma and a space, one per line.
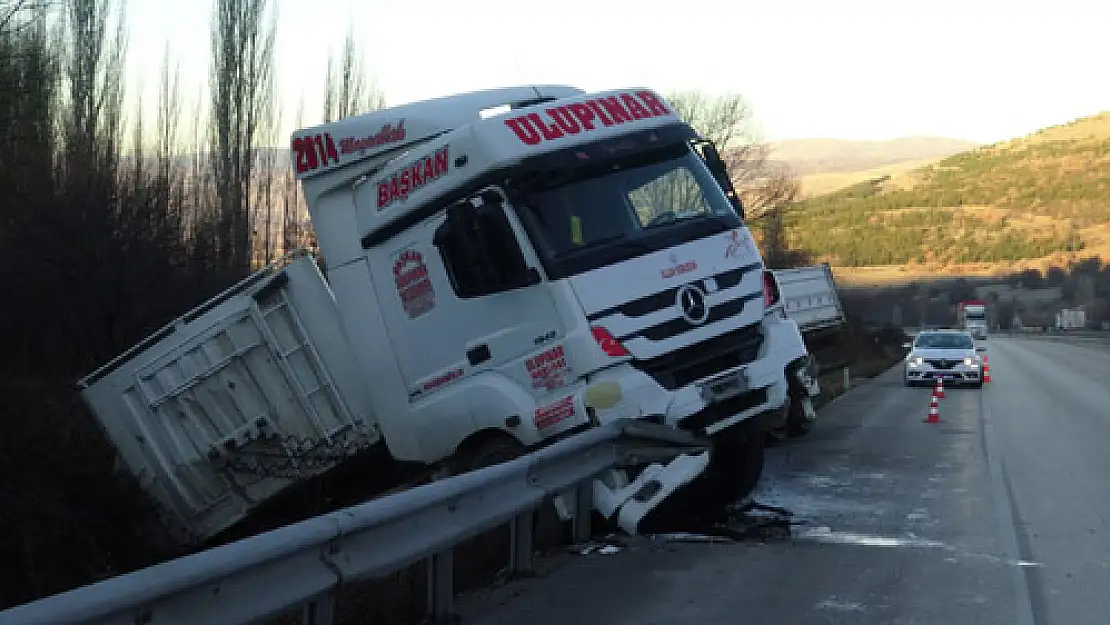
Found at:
[462, 305]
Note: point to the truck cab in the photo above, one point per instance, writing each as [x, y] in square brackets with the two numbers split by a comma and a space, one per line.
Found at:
[574, 259]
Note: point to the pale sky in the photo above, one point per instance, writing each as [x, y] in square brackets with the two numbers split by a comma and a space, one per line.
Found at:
[982, 70]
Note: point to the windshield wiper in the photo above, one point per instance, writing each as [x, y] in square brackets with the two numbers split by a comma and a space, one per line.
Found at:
[672, 218]
[616, 241]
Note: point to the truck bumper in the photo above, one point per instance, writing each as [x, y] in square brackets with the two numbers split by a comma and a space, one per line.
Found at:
[745, 400]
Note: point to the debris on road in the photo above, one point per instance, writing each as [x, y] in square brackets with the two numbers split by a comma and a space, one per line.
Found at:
[746, 521]
[608, 546]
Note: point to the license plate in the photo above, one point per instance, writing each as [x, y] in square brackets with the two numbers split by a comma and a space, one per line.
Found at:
[726, 386]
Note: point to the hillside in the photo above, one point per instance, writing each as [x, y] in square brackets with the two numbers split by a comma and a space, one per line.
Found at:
[827, 165]
[1022, 203]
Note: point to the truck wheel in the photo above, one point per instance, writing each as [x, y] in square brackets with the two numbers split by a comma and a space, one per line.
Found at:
[734, 470]
[547, 526]
[796, 422]
[781, 432]
[735, 466]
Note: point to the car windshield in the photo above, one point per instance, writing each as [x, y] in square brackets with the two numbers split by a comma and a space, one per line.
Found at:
[944, 341]
[629, 208]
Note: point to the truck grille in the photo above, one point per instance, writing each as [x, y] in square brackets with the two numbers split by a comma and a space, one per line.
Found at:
[700, 360]
[942, 363]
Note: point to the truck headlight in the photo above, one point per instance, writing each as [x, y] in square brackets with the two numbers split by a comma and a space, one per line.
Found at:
[969, 361]
[916, 361]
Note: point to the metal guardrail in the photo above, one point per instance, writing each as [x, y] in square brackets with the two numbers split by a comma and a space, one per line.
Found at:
[304, 565]
[1084, 335]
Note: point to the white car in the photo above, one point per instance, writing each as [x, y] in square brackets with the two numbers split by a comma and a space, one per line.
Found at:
[948, 354]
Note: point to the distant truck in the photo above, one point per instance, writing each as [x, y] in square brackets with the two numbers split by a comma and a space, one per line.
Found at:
[1071, 319]
[972, 316]
[810, 297]
[504, 269]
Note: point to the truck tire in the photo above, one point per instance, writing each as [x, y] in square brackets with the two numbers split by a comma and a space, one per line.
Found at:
[735, 467]
[781, 432]
[794, 424]
[547, 526]
[734, 470]
[797, 425]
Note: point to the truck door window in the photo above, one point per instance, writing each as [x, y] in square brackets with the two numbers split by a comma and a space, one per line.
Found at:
[481, 253]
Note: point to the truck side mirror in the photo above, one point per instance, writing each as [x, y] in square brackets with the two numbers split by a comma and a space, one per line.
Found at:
[907, 345]
[717, 167]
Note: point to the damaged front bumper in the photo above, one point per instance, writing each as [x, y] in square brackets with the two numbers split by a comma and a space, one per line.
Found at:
[742, 401]
[669, 459]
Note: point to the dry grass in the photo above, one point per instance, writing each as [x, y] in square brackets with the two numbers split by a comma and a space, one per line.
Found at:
[813, 185]
[1094, 127]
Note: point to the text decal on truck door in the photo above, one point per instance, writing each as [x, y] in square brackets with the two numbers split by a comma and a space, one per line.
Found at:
[419, 173]
[410, 275]
[548, 416]
[548, 369]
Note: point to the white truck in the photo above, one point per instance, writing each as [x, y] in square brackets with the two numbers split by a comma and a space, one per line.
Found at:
[1071, 319]
[972, 316]
[503, 268]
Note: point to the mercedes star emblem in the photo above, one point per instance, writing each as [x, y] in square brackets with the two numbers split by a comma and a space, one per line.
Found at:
[691, 301]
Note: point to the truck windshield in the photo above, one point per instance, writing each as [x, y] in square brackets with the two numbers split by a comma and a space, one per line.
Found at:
[620, 209]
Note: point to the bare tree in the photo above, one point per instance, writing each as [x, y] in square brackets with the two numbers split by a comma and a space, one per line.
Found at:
[727, 120]
[12, 12]
[349, 91]
[291, 210]
[242, 89]
[169, 114]
[94, 71]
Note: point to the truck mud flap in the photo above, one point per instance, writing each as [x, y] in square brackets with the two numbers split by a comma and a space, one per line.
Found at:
[634, 501]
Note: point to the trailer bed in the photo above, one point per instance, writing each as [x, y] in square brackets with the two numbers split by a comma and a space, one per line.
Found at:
[237, 400]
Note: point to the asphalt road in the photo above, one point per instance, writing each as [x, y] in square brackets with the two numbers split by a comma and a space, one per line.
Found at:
[999, 514]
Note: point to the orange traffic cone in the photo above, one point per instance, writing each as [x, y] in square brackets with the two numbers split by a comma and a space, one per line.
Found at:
[986, 372]
[938, 390]
[934, 413]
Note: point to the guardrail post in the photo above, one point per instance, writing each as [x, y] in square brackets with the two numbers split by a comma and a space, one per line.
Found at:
[319, 611]
[520, 546]
[847, 378]
[583, 508]
[441, 587]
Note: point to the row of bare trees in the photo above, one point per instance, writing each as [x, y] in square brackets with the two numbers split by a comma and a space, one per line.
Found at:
[111, 225]
[131, 219]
